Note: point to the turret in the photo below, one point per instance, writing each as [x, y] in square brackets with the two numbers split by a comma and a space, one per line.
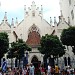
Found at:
[24, 7]
[37, 8]
[16, 23]
[41, 11]
[50, 21]
[33, 6]
[68, 20]
[5, 17]
[24, 10]
[61, 18]
[55, 20]
[12, 22]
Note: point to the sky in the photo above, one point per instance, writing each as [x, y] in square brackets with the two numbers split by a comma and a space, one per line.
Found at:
[15, 8]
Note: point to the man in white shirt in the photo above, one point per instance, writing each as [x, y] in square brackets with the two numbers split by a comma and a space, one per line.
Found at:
[31, 69]
[49, 69]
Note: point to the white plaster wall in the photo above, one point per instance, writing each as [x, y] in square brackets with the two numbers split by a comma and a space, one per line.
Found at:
[36, 53]
[64, 6]
[28, 21]
[4, 27]
[66, 10]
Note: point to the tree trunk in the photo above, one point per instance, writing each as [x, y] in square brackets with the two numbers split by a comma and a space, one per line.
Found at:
[0, 62]
[16, 62]
[19, 64]
[11, 63]
[51, 61]
[45, 61]
[57, 60]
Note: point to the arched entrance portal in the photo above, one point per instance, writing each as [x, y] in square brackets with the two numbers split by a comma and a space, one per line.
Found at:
[36, 62]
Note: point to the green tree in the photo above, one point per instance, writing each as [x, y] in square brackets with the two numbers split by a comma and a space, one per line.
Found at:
[4, 44]
[18, 49]
[68, 37]
[51, 45]
[11, 52]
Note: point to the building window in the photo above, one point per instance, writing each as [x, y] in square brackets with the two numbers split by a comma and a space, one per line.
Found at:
[69, 2]
[72, 14]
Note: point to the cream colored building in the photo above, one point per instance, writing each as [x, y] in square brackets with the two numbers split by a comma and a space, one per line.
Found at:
[32, 28]
[67, 8]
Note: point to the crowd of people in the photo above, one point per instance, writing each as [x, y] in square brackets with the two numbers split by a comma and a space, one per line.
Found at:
[31, 70]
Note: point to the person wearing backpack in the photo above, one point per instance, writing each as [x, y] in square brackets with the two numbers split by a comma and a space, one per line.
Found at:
[56, 70]
[52, 71]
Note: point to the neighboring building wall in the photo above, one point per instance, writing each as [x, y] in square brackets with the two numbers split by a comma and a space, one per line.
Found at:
[68, 10]
[6, 27]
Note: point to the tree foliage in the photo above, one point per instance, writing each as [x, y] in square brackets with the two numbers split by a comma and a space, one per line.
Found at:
[18, 48]
[51, 45]
[4, 44]
[68, 37]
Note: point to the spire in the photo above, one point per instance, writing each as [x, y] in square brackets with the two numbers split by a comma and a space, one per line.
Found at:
[61, 18]
[37, 8]
[25, 7]
[41, 12]
[16, 21]
[68, 20]
[33, 3]
[41, 8]
[33, 6]
[5, 17]
[55, 20]
[12, 23]
[50, 20]
[61, 13]
[29, 8]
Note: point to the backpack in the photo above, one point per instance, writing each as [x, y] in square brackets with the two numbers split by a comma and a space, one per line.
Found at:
[52, 70]
[56, 69]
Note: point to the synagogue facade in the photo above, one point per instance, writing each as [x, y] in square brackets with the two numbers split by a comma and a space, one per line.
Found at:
[32, 28]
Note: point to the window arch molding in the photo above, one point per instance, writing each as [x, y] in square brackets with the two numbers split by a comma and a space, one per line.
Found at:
[34, 28]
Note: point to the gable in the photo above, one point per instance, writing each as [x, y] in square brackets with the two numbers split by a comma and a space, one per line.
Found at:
[5, 27]
[62, 25]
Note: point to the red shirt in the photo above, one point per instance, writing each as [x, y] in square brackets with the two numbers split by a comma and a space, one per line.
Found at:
[42, 69]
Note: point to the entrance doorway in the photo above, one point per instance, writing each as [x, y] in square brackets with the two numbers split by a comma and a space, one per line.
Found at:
[35, 62]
